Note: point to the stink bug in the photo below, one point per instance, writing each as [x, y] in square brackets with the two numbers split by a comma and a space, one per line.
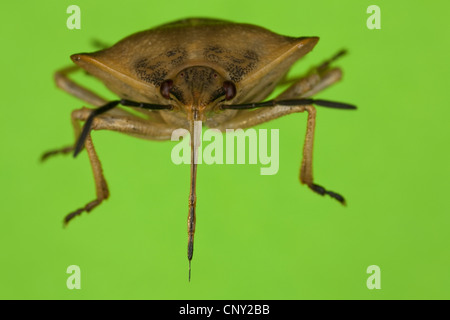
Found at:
[212, 71]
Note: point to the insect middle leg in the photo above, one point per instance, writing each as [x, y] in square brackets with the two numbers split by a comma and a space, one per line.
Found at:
[101, 186]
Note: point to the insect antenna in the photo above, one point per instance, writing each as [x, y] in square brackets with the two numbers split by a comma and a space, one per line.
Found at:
[291, 103]
[110, 105]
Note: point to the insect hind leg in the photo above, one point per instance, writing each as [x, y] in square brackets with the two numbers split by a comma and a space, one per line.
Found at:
[326, 64]
[317, 79]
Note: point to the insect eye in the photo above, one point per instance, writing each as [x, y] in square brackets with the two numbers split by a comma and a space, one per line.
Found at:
[165, 88]
[230, 90]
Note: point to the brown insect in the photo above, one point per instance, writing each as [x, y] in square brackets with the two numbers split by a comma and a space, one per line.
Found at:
[206, 70]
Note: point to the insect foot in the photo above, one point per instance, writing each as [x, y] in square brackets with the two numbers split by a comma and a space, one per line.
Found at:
[51, 153]
[91, 205]
[322, 191]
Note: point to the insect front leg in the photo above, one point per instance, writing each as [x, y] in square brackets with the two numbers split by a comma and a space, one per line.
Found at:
[129, 124]
[81, 115]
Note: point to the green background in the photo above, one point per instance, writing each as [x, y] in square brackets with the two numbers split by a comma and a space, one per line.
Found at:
[258, 237]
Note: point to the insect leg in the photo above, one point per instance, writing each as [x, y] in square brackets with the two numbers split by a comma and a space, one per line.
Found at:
[108, 107]
[306, 175]
[63, 81]
[101, 187]
[76, 117]
[317, 79]
[311, 84]
[132, 125]
[274, 109]
[326, 64]
[80, 136]
[67, 149]
[128, 124]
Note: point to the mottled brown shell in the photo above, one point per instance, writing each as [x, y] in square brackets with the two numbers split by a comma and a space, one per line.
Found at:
[253, 58]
